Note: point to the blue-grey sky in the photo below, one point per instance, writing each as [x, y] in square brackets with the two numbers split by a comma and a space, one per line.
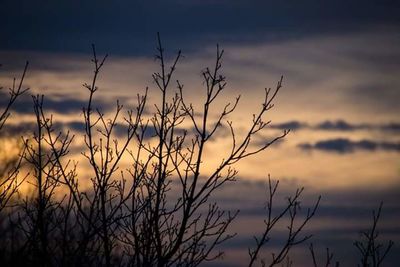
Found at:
[129, 27]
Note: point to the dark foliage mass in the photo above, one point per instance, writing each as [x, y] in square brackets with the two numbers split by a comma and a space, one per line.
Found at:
[157, 211]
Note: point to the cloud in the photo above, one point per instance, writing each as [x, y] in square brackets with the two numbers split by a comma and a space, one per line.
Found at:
[326, 77]
[291, 125]
[340, 125]
[44, 61]
[134, 23]
[391, 127]
[63, 104]
[336, 125]
[76, 126]
[16, 130]
[342, 145]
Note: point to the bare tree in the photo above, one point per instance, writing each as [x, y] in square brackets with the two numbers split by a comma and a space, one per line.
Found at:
[372, 251]
[98, 210]
[144, 220]
[9, 169]
[15, 91]
[328, 258]
[294, 228]
[186, 232]
[39, 214]
[147, 199]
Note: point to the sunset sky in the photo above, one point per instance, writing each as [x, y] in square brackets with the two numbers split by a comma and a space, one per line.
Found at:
[341, 93]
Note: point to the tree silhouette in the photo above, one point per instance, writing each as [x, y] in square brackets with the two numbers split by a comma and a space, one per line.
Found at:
[10, 167]
[372, 251]
[159, 210]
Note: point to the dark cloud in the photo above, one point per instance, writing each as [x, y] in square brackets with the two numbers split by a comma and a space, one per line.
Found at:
[17, 130]
[342, 145]
[391, 127]
[60, 104]
[28, 128]
[290, 125]
[14, 61]
[390, 146]
[65, 104]
[338, 125]
[124, 27]
[120, 129]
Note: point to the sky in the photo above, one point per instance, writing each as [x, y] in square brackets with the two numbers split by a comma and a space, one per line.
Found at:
[341, 88]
